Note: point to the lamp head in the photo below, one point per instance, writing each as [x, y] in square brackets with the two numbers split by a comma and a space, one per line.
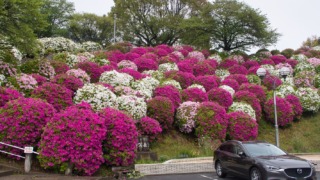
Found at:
[261, 72]
[284, 72]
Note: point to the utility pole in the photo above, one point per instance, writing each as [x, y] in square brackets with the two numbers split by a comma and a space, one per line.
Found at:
[114, 27]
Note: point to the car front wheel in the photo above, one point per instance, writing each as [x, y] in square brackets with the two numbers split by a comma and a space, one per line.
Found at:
[219, 170]
[255, 174]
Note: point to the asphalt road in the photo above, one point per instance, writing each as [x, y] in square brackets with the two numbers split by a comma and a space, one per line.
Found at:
[200, 176]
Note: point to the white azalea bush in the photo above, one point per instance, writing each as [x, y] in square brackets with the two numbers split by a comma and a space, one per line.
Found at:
[216, 57]
[155, 74]
[3, 80]
[185, 116]
[299, 57]
[58, 44]
[284, 90]
[127, 64]
[168, 67]
[172, 82]
[316, 48]
[17, 54]
[91, 46]
[303, 66]
[115, 78]
[271, 69]
[197, 86]
[222, 73]
[134, 106]
[309, 98]
[80, 74]
[244, 107]
[145, 86]
[97, 96]
[228, 88]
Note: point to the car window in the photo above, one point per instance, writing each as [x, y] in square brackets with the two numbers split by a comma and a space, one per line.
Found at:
[263, 149]
[227, 148]
[237, 149]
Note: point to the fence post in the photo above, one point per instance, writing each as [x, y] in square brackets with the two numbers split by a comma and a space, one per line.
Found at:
[28, 160]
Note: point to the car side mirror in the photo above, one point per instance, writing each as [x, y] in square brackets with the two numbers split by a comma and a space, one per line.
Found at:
[241, 154]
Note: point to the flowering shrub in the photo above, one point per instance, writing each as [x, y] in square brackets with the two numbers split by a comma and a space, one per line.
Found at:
[178, 54]
[271, 82]
[232, 83]
[314, 61]
[167, 59]
[150, 127]
[145, 86]
[239, 58]
[22, 121]
[135, 74]
[73, 136]
[250, 63]
[208, 81]
[144, 64]
[172, 83]
[97, 96]
[253, 70]
[7, 69]
[161, 109]
[296, 105]
[185, 116]
[222, 73]
[303, 66]
[197, 86]
[59, 96]
[292, 62]
[284, 90]
[211, 121]
[228, 89]
[259, 91]
[131, 56]
[227, 63]
[240, 78]
[238, 69]
[58, 44]
[168, 67]
[68, 81]
[197, 55]
[25, 83]
[114, 56]
[127, 64]
[79, 73]
[115, 78]
[216, 57]
[204, 67]
[46, 69]
[243, 107]
[40, 79]
[300, 57]
[277, 59]
[185, 79]
[92, 69]
[155, 74]
[285, 112]
[125, 90]
[194, 94]
[185, 66]
[91, 46]
[216, 94]
[121, 138]
[251, 99]
[242, 127]
[268, 62]
[8, 94]
[254, 79]
[304, 79]
[133, 106]
[309, 99]
[170, 92]
[59, 67]
[3, 80]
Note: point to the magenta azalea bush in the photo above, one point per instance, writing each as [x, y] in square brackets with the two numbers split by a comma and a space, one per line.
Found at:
[186, 66]
[285, 112]
[59, 96]
[194, 94]
[251, 99]
[184, 78]
[8, 94]
[215, 95]
[145, 64]
[68, 81]
[40, 79]
[227, 63]
[240, 78]
[73, 136]
[92, 69]
[121, 138]
[208, 81]
[259, 91]
[202, 68]
[135, 74]
[232, 83]
[149, 127]
[161, 109]
[271, 82]
[296, 105]
[238, 69]
[211, 121]
[241, 126]
[59, 67]
[22, 121]
[170, 92]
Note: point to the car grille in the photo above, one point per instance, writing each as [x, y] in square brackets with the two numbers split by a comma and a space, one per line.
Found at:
[294, 172]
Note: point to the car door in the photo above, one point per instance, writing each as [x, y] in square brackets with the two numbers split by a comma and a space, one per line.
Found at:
[241, 162]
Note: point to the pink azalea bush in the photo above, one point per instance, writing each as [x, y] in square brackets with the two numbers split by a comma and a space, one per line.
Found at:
[250, 63]
[185, 116]
[73, 136]
[132, 56]
[25, 83]
[121, 138]
[184, 78]
[170, 92]
[251, 99]
[185, 66]
[127, 64]
[238, 69]
[240, 78]
[277, 59]
[194, 94]
[22, 121]
[149, 127]
[232, 83]
[304, 79]
[216, 94]
[208, 81]
[40, 79]
[296, 105]
[79, 73]
[211, 121]
[145, 64]
[68, 81]
[227, 63]
[241, 126]
[285, 112]
[92, 69]
[59, 96]
[161, 109]
[8, 94]
[267, 62]
[259, 91]
[7, 69]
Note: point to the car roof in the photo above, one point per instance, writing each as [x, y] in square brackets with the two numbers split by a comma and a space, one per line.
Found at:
[247, 142]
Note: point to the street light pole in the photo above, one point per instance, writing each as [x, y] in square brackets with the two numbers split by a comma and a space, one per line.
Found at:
[114, 27]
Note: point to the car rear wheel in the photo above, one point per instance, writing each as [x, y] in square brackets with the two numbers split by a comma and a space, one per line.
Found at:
[255, 174]
[219, 170]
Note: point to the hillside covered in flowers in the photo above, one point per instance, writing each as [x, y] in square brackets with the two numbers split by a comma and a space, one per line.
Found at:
[79, 104]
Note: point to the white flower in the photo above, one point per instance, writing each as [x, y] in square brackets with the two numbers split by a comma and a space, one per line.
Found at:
[285, 90]
[168, 67]
[155, 74]
[91, 46]
[304, 66]
[222, 73]
[115, 78]
[58, 44]
[244, 107]
[196, 54]
[2, 80]
[72, 60]
[97, 96]
[300, 57]
[270, 69]
[145, 86]
[133, 105]
[197, 86]
[185, 116]
[16, 53]
[216, 57]
[309, 98]
[173, 83]
[316, 48]
[127, 64]
[238, 58]
[228, 88]
[79, 73]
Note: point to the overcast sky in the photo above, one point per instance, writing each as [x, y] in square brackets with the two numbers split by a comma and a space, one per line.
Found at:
[296, 20]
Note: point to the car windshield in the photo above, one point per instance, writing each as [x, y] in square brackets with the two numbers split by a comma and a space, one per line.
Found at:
[263, 149]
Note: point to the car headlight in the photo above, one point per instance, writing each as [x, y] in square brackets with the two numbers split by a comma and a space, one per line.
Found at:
[273, 168]
[312, 165]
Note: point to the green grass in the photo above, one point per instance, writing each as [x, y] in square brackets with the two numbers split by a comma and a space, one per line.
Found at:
[301, 136]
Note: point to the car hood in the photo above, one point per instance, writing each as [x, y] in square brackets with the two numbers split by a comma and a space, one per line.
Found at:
[286, 161]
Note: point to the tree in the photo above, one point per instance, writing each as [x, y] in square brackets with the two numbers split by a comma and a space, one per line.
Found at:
[58, 13]
[312, 41]
[151, 22]
[90, 27]
[19, 19]
[230, 25]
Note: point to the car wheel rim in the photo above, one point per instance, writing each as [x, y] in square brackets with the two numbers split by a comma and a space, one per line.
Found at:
[255, 175]
[219, 170]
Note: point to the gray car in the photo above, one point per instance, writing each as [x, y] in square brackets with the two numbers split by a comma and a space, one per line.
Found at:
[258, 160]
